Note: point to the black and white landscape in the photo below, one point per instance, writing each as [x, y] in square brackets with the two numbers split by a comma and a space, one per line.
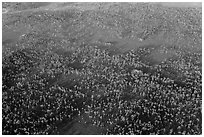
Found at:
[101, 68]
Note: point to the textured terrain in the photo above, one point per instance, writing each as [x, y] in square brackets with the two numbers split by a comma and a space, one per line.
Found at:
[101, 68]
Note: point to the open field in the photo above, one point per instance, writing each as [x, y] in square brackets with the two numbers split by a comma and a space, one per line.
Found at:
[101, 68]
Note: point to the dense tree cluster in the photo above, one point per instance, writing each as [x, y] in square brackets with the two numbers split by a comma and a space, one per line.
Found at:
[119, 93]
[63, 68]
